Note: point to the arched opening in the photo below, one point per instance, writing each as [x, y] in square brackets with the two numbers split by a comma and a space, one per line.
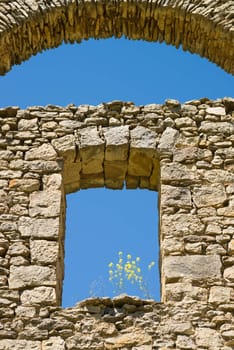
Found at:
[201, 27]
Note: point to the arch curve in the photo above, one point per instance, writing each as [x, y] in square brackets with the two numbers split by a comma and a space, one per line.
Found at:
[200, 26]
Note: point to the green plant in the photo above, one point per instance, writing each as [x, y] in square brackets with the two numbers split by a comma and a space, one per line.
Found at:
[127, 270]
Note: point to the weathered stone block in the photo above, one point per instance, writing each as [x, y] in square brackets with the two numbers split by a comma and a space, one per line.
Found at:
[195, 267]
[181, 225]
[20, 345]
[142, 151]
[53, 343]
[39, 228]
[220, 294]
[66, 147]
[39, 295]
[117, 143]
[31, 276]
[168, 139]
[25, 185]
[91, 150]
[45, 204]
[172, 196]
[43, 152]
[229, 273]
[43, 252]
[134, 337]
[208, 338]
[209, 195]
[177, 173]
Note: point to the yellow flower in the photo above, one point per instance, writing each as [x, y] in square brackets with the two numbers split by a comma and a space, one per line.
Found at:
[110, 264]
[138, 259]
[129, 256]
[120, 253]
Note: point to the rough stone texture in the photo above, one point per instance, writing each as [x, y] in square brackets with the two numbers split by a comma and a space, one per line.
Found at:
[201, 26]
[190, 163]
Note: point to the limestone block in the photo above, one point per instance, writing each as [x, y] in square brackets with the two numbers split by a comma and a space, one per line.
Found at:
[19, 344]
[185, 291]
[6, 155]
[188, 154]
[214, 249]
[213, 229]
[177, 173]
[172, 245]
[10, 174]
[209, 195]
[172, 196]
[208, 338]
[52, 182]
[115, 170]
[181, 225]
[168, 139]
[217, 128]
[229, 336]
[43, 152]
[106, 329]
[43, 252]
[66, 147]
[184, 342]
[226, 211]
[25, 185]
[143, 347]
[39, 228]
[18, 248]
[134, 337]
[53, 343]
[229, 273]
[28, 124]
[92, 180]
[30, 276]
[142, 151]
[39, 295]
[217, 176]
[45, 203]
[220, 294]
[37, 166]
[25, 311]
[117, 143]
[91, 150]
[71, 173]
[216, 111]
[185, 328]
[195, 267]
[193, 248]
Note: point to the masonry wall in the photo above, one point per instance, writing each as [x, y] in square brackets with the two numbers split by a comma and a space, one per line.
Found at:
[184, 151]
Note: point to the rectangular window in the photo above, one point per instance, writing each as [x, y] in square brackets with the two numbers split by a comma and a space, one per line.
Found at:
[100, 223]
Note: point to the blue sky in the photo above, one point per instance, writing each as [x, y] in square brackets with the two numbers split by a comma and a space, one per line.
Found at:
[102, 222]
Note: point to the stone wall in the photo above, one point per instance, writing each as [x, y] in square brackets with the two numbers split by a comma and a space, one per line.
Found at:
[204, 27]
[183, 151]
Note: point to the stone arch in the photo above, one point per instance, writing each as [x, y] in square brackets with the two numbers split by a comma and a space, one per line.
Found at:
[199, 26]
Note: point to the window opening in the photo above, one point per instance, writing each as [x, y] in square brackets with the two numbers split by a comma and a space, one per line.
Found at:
[99, 224]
